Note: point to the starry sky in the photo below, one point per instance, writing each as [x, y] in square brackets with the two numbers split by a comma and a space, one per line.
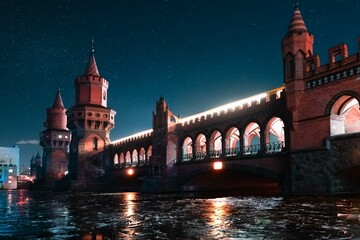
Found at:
[198, 54]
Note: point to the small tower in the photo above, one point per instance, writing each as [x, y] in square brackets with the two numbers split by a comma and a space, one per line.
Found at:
[165, 138]
[297, 46]
[90, 122]
[55, 141]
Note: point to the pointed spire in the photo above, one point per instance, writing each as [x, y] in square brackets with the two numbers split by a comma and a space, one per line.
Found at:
[58, 103]
[91, 67]
[297, 23]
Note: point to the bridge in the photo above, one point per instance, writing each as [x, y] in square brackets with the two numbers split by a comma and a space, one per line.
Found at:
[301, 138]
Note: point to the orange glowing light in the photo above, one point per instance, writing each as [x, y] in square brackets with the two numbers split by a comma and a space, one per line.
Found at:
[130, 172]
[218, 165]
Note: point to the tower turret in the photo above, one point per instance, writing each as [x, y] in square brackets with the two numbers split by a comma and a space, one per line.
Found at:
[55, 141]
[296, 46]
[90, 122]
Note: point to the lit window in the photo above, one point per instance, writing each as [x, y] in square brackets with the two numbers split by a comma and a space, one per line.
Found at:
[10, 177]
[66, 136]
[60, 136]
[95, 143]
[11, 170]
[9, 181]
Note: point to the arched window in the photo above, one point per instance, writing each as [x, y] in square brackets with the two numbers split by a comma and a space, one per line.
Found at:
[345, 116]
[252, 138]
[274, 135]
[134, 157]
[116, 160]
[122, 159]
[232, 142]
[187, 149]
[128, 158]
[215, 144]
[149, 153]
[95, 143]
[142, 156]
[200, 147]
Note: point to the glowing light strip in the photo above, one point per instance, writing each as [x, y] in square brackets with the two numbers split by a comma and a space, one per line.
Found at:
[232, 106]
[136, 135]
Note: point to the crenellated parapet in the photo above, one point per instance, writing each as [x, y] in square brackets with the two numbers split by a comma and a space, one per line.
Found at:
[340, 66]
[134, 137]
[237, 107]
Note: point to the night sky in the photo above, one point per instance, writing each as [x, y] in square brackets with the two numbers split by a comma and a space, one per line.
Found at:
[198, 54]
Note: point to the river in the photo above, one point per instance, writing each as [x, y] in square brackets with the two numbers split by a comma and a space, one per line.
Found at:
[48, 215]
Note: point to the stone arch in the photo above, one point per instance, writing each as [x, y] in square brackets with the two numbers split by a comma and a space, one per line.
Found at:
[344, 113]
[232, 141]
[128, 158]
[200, 146]
[215, 144]
[116, 160]
[122, 159]
[149, 153]
[252, 138]
[94, 142]
[274, 135]
[142, 155]
[187, 149]
[134, 157]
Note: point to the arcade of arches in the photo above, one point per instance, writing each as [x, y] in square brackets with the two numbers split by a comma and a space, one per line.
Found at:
[232, 143]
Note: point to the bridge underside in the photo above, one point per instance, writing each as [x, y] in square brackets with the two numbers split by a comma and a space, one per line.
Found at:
[233, 180]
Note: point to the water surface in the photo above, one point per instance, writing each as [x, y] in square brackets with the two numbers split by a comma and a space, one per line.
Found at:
[47, 215]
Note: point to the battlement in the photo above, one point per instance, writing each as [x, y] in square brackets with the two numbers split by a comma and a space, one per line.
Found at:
[134, 137]
[95, 79]
[335, 69]
[239, 105]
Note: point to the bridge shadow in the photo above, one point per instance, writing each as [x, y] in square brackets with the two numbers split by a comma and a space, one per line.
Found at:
[244, 180]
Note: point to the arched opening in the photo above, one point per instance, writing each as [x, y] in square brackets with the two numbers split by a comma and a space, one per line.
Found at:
[215, 144]
[116, 160]
[142, 156]
[134, 157]
[128, 158]
[149, 153]
[345, 116]
[95, 143]
[252, 138]
[187, 149]
[200, 147]
[232, 142]
[122, 159]
[274, 135]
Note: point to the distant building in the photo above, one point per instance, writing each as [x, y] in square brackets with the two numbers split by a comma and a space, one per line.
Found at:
[10, 155]
[35, 167]
[8, 176]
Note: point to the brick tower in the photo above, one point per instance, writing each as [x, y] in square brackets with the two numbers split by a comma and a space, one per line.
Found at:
[55, 142]
[297, 50]
[90, 122]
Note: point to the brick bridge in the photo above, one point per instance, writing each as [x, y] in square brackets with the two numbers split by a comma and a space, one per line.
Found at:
[301, 138]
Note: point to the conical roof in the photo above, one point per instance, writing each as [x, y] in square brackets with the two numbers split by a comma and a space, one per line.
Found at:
[91, 67]
[297, 23]
[58, 103]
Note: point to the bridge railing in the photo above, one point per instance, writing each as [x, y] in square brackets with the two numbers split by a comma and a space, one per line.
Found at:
[232, 151]
[187, 157]
[215, 153]
[274, 147]
[200, 155]
[251, 149]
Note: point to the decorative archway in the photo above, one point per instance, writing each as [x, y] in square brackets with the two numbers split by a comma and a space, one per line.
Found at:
[122, 159]
[275, 135]
[142, 156]
[232, 142]
[134, 157]
[116, 160]
[345, 115]
[127, 158]
[187, 149]
[215, 144]
[149, 153]
[252, 138]
[200, 147]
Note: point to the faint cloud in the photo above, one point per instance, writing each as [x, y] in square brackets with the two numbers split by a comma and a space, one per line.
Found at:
[31, 141]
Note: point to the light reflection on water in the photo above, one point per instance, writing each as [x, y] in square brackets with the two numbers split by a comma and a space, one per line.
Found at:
[47, 215]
